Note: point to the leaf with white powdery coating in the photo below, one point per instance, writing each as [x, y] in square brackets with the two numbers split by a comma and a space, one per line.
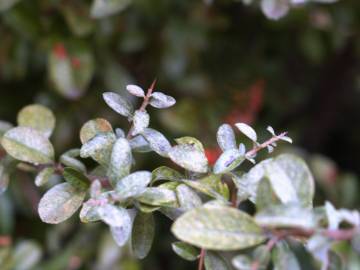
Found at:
[275, 9]
[123, 232]
[103, 8]
[189, 157]
[118, 104]
[161, 101]
[157, 141]
[60, 203]
[141, 121]
[203, 228]
[228, 161]
[185, 251]
[43, 176]
[158, 196]
[283, 258]
[226, 137]
[143, 234]
[113, 215]
[135, 90]
[247, 131]
[120, 161]
[76, 178]
[188, 198]
[132, 185]
[166, 173]
[28, 145]
[94, 127]
[37, 117]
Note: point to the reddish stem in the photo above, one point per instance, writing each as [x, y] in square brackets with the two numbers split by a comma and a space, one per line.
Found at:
[201, 259]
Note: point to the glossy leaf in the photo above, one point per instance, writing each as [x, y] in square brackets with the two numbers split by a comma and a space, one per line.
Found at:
[189, 157]
[37, 117]
[185, 251]
[203, 228]
[29, 145]
[143, 234]
[60, 203]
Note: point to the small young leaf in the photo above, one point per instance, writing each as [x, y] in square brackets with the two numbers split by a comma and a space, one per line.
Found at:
[247, 131]
[103, 8]
[157, 141]
[135, 90]
[228, 161]
[143, 234]
[99, 148]
[43, 176]
[132, 185]
[75, 178]
[118, 103]
[28, 145]
[185, 251]
[141, 121]
[218, 228]
[37, 117]
[166, 173]
[112, 215]
[189, 157]
[94, 127]
[121, 161]
[286, 216]
[161, 101]
[226, 137]
[214, 261]
[191, 141]
[60, 202]
[157, 196]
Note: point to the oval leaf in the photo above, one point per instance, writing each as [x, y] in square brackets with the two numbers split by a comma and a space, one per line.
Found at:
[157, 141]
[158, 196]
[185, 251]
[76, 179]
[43, 176]
[143, 234]
[28, 145]
[118, 104]
[37, 117]
[161, 101]
[247, 131]
[226, 137]
[132, 185]
[60, 202]
[228, 161]
[189, 157]
[94, 127]
[203, 228]
[135, 90]
[141, 121]
[112, 215]
[214, 261]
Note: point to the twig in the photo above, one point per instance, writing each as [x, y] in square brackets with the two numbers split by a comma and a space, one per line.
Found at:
[201, 259]
[143, 106]
[272, 140]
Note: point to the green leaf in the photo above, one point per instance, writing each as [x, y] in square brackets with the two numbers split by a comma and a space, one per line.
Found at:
[290, 178]
[157, 196]
[132, 185]
[189, 157]
[118, 104]
[161, 101]
[143, 234]
[60, 203]
[166, 173]
[283, 258]
[113, 216]
[228, 161]
[192, 141]
[120, 161]
[157, 141]
[226, 137]
[203, 227]
[141, 121]
[44, 175]
[69, 159]
[103, 8]
[94, 127]
[99, 148]
[265, 195]
[204, 186]
[286, 216]
[37, 117]
[28, 145]
[185, 251]
[89, 212]
[188, 199]
[214, 261]
[75, 178]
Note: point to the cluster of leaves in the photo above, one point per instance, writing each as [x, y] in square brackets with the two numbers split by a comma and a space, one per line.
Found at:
[205, 202]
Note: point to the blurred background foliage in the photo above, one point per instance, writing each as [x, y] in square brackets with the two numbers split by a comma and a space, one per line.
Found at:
[223, 60]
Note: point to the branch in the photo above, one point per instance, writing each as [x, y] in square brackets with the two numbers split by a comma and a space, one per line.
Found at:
[201, 259]
[143, 106]
[272, 140]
